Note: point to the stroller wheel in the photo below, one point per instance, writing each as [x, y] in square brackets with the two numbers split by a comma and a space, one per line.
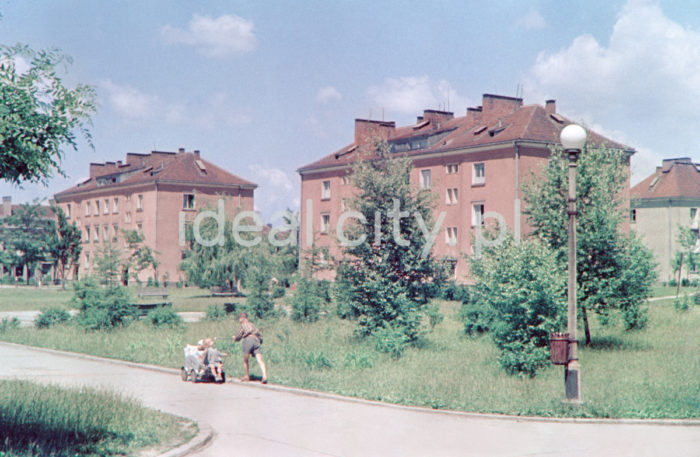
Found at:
[223, 377]
[183, 374]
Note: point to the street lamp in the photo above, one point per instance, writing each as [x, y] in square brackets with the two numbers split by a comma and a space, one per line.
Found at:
[572, 137]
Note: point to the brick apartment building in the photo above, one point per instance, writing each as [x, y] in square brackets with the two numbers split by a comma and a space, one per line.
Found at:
[475, 164]
[149, 193]
[659, 204]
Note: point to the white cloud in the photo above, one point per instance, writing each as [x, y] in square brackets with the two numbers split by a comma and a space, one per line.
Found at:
[275, 189]
[214, 37]
[129, 101]
[412, 94]
[532, 21]
[644, 82]
[328, 94]
[273, 177]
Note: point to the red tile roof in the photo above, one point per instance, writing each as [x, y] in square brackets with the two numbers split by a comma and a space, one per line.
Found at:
[158, 166]
[505, 120]
[675, 178]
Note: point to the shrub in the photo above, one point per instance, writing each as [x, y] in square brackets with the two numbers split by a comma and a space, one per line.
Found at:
[673, 283]
[456, 292]
[165, 317]
[434, 315]
[682, 303]
[391, 340]
[696, 298]
[342, 293]
[361, 361]
[317, 361]
[9, 324]
[477, 317]
[102, 308]
[215, 312]
[305, 303]
[52, 316]
[277, 291]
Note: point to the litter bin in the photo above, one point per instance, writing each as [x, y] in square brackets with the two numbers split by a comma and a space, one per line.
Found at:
[559, 348]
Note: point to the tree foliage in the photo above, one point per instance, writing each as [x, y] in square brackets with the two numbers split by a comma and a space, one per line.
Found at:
[139, 255]
[687, 241]
[522, 288]
[38, 113]
[389, 277]
[26, 236]
[64, 244]
[610, 264]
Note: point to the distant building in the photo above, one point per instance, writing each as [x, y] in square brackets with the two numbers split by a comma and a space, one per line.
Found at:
[659, 204]
[150, 193]
[475, 164]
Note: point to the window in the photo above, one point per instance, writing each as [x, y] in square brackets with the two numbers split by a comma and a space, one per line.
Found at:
[451, 197]
[87, 260]
[477, 214]
[139, 202]
[452, 168]
[451, 236]
[693, 212]
[115, 232]
[346, 179]
[105, 233]
[69, 210]
[127, 218]
[87, 208]
[425, 179]
[115, 206]
[188, 201]
[97, 234]
[325, 222]
[633, 215]
[87, 234]
[326, 190]
[97, 207]
[106, 210]
[479, 176]
[139, 228]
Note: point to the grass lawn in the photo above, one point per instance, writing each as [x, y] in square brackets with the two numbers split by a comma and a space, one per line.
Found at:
[37, 419]
[650, 373]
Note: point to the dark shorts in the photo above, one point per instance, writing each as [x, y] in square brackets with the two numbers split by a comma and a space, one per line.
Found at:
[251, 346]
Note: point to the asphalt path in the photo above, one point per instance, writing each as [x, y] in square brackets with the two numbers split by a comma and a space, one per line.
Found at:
[252, 419]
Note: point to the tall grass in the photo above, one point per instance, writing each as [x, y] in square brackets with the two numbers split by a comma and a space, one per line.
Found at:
[50, 420]
[653, 372]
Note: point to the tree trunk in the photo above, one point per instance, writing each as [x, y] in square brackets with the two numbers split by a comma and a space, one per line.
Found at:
[680, 269]
[586, 327]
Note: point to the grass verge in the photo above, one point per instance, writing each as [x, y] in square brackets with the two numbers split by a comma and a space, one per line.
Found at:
[652, 373]
[37, 419]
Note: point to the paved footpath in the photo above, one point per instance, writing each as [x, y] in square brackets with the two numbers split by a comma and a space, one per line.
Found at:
[251, 419]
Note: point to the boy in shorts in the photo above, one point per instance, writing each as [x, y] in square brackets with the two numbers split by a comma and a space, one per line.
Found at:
[252, 340]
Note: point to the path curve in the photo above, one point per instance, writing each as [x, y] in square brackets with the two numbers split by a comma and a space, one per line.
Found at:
[251, 419]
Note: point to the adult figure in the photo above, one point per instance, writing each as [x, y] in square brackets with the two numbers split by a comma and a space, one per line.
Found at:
[252, 341]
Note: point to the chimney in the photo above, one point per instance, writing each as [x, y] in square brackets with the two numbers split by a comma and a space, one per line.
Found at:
[366, 130]
[437, 118]
[474, 116]
[499, 105]
[181, 150]
[196, 153]
[96, 169]
[6, 205]
[550, 106]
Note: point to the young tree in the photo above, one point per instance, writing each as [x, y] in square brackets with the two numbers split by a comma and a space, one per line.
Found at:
[391, 272]
[27, 235]
[64, 244]
[140, 256]
[604, 253]
[686, 255]
[38, 114]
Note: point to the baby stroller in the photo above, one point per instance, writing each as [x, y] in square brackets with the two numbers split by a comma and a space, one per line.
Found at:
[195, 368]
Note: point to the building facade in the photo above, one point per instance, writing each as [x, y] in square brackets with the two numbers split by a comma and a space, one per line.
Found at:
[661, 204]
[475, 164]
[156, 194]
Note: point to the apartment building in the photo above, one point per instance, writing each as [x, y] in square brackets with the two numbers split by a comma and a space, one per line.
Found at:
[661, 203]
[476, 165]
[155, 194]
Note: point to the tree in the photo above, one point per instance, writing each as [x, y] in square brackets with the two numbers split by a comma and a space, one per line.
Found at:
[38, 114]
[604, 253]
[64, 244]
[139, 256]
[27, 233]
[687, 240]
[524, 290]
[390, 274]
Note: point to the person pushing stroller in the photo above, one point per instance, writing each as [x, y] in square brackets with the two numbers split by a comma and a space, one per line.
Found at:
[252, 340]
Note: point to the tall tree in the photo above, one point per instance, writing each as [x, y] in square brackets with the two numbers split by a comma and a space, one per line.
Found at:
[28, 230]
[139, 256]
[686, 255]
[390, 274]
[64, 244]
[38, 114]
[605, 254]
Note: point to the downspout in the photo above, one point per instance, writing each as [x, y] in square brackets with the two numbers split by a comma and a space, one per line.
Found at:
[516, 224]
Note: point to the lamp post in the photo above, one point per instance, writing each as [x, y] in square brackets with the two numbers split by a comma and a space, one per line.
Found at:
[572, 137]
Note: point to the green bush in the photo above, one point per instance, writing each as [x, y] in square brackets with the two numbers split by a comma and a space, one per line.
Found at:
[215, 312]
[9, 324]
[391, 340]
[477, 317]
[52, 316]
[682, 303]
[696, 298]
[317, 361]
[360, 361]
[165, 317]
[434, 315]
[102, 308]
[277, 291]
[456, 292]
[342, 293]
[305, 303]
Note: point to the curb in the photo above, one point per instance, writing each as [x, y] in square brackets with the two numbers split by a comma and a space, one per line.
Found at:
[202, 439]
[424, 410]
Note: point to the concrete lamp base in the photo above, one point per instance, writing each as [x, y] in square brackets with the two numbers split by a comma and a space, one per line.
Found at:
[572, 381]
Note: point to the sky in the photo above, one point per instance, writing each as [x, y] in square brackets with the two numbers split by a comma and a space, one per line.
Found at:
[263, 88]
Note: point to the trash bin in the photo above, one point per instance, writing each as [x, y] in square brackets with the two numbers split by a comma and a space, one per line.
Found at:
[559, 348]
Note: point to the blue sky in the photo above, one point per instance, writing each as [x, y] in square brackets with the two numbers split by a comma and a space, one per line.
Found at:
[262, 88]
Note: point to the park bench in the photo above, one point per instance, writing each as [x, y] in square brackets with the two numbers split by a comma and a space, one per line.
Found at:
[153, 294]
[145, 308]
[224, 292]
